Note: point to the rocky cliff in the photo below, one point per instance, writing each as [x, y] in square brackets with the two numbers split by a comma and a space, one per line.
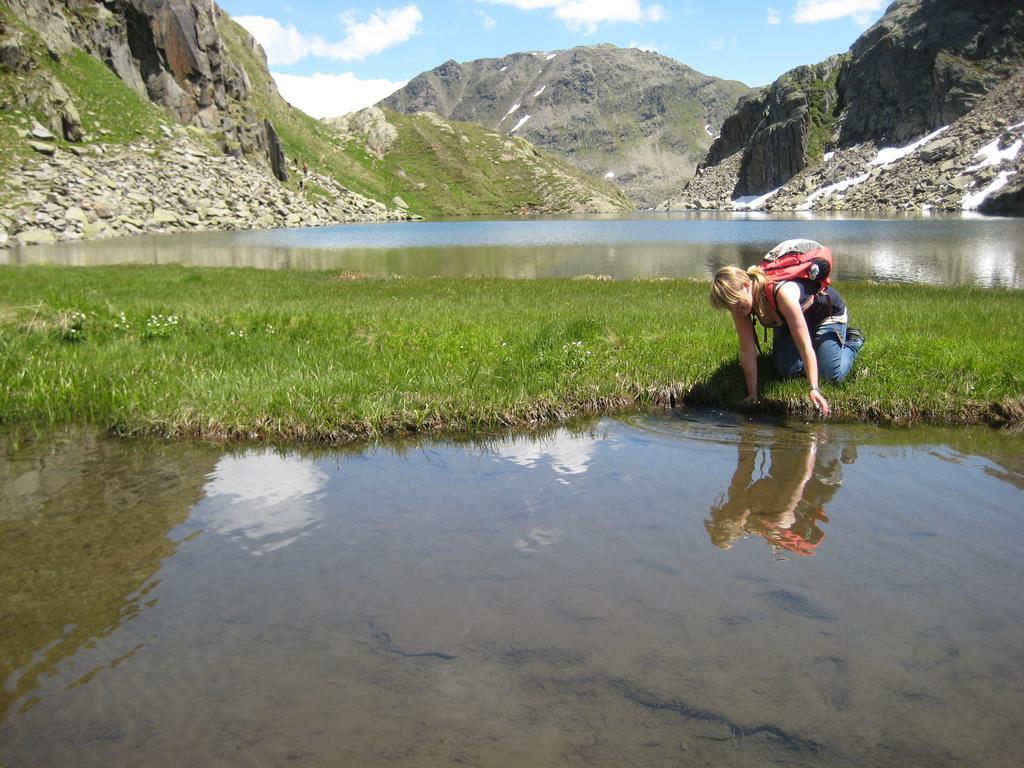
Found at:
[169, 51]
[639, 118]
[926, 65]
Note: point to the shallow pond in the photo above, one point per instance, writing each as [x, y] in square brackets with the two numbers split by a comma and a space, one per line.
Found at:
[945, 250]
[651, 590]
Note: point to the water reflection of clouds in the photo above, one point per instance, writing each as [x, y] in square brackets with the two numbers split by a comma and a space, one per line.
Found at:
[565, 453]
[262, 500]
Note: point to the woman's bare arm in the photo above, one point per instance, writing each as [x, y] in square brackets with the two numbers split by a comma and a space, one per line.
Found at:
[788, 299]
[748, 352]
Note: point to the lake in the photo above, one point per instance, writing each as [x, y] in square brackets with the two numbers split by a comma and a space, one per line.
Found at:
[655, 589]
[945, 250]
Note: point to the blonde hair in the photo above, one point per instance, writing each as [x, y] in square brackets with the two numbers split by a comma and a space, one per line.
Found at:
[728, 288]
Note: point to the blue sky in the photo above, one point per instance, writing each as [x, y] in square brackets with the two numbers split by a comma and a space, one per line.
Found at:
[329, 58]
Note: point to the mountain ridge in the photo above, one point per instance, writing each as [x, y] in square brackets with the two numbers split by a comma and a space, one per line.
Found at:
[642, 117]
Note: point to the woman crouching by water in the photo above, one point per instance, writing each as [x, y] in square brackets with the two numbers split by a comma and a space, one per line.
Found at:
[810, 334]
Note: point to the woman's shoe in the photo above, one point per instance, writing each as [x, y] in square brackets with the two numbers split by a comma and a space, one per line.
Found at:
[854, 337]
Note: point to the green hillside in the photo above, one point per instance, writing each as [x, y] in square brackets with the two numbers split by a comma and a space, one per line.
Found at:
[437, 167]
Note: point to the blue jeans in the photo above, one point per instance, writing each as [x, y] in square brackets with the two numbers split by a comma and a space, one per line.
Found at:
[835, 356]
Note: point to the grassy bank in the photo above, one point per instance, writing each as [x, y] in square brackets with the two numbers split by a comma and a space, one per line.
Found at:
[320, 356]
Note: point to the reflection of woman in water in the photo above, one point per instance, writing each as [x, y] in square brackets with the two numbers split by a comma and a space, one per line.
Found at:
[786, 502]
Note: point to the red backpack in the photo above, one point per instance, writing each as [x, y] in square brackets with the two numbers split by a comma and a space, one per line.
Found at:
[796, 260]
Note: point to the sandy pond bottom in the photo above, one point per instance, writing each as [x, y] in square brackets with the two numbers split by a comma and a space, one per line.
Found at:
[654, 590]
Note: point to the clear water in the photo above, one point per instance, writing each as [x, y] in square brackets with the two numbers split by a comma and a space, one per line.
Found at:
[951, 250]
[652, 590]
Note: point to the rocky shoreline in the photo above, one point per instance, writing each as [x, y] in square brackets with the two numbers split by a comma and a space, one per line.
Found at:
[177, 184]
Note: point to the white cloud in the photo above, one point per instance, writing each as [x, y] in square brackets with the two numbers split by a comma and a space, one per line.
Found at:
[323, 95]
[587, 15]
[283, 45]
[718, 44]
[774, 17]
[287, 45]
[383, 30]
[488, 21]
[811, 11]
[649, 47]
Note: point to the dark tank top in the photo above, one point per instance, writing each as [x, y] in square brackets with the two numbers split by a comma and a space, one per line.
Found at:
[817, 307]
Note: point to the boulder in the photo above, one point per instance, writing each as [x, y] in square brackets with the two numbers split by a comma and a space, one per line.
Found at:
[13, 56]
[938, 149]
[1008, 200]
[104, 208]
[74, 213]
[44, 148]
[164, 216]
[48, 97]
[372, 126]
[36, 237]
[40, 132]
[94, 229]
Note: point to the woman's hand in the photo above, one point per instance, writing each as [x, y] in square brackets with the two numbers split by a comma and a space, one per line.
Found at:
[819, 401]
[788, 299]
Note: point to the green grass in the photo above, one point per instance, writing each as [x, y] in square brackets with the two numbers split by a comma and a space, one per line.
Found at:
[320, 356]
[823, 103]
[111, 111]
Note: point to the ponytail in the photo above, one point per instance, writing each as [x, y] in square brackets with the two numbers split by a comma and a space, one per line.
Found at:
[728, 288]
[760, 281]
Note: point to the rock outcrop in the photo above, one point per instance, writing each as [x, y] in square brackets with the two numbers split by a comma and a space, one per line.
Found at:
[169, 51]
[926, 65]
[278, 163]
[370, 124]
[639, 118]
[975, 163]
